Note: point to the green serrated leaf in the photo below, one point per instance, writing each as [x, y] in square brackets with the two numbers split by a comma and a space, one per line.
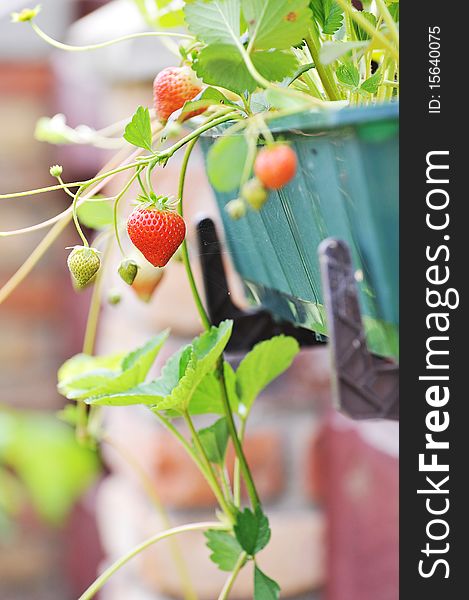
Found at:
[264, 587]
[225, 162]
[214, 21]
[266, 361]
[276, 23]
[84, 376]
[331, 51]
[328, 14]
[225, 549]
[360, 33]
[252, 531]
[224, 66]
[181, 376]
[372, 84]
[95, 214]
[138, 131]
[207, 397]
[214, 440]
[348, 74]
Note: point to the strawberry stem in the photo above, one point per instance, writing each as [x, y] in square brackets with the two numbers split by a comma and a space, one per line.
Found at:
[253, 495]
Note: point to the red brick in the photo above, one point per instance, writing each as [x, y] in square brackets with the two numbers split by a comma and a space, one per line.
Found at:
[359, 487]
[179, 483]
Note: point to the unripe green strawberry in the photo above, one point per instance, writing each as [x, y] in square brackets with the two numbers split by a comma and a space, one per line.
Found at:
[254, 193]
[128, 270]
[236, 209]
[56, 170]
[114, 297]
[83, 264]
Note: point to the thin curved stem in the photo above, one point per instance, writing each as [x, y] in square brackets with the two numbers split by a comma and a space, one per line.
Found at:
[75, 217]
[368, 27]
[54, 233]
[116, 206]
[185, 253]
[233, 575]
[197, 460]
[149, 488]
[387, 17]
[131, 36]
[208, 467]
[107, 574]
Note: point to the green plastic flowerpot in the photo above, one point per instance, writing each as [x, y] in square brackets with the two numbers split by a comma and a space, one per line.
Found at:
[346, 187]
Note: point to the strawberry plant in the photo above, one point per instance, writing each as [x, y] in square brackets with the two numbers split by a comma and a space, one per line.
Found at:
[242, 64]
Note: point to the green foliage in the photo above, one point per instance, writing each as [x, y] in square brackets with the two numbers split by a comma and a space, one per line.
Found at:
[360, 33]
[138, 131]
[179, 378]
[207, 98]
[348, 75]
[225, 549]
[264, 587]
[46, 465]
[225, 162]
[161, 13]
[276, 23]
[274, 26]
[331, 51]
[95, 214]
[328, 14]
[252, 531]
[84, 376]
[266, 361]
[214, 440]
[371, 84]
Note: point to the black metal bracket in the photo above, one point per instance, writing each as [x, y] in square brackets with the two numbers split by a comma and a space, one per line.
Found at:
[366, 386]
[249, 327]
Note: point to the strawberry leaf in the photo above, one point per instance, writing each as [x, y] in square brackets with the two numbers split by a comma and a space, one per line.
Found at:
[372, 84]
[138, 131]
[208, 97]
[223, 65]
[360, 33]
[276, 23]
[95, 214]
[180, 377]
[348, 74]
[225, 162]
[214, 21]
[207, 397]
[264, 587]
[85, 376]
[225, 549]
[266, 361]
[328, 14]
[252, 530]
[214, 440]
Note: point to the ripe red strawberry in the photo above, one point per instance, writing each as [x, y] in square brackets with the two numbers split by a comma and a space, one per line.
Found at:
[156, 230]
[173, 87]
[275, 166]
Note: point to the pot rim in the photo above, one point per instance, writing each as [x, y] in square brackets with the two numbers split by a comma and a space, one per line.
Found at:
[314, 121]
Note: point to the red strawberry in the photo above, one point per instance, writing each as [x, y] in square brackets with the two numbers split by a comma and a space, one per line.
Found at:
[156, 230]
[275, 166]
[173, 87]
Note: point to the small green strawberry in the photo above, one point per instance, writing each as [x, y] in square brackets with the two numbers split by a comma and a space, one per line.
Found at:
[236, 208]
[114, 297]
[83, 264]
[128, 270]
[254, 193]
